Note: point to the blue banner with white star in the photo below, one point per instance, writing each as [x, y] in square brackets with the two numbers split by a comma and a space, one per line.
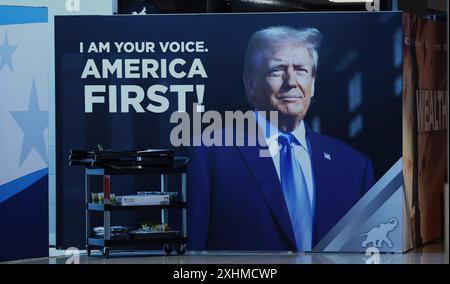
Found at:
[23, 132]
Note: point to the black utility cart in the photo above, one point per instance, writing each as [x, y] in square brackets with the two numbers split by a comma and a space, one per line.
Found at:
[168, 242]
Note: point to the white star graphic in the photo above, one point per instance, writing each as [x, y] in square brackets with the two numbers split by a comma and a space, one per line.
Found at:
[33, 123]
[6, 52]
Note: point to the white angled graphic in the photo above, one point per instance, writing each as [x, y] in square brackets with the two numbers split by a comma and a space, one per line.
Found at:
[379, 235]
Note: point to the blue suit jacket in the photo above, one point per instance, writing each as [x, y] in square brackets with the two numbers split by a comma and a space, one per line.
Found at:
[235, 200]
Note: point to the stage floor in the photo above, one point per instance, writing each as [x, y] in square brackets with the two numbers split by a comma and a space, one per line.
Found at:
[429, 254]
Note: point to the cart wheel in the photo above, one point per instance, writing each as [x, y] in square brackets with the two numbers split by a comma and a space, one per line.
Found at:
[105, 252]
[167, 248]
[181, 248]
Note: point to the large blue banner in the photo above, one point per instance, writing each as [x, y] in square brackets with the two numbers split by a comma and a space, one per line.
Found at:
[181, 81]
[23, 132]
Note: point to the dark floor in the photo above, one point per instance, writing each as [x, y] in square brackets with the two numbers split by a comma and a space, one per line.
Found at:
[430, 254]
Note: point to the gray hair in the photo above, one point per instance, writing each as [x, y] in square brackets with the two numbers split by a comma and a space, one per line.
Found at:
[263, 39]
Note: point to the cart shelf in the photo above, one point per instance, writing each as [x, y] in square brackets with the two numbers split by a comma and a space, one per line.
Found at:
[109, 207]
[98, 242]
[178, 167]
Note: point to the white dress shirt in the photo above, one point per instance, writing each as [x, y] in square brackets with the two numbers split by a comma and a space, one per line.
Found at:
[302, 152]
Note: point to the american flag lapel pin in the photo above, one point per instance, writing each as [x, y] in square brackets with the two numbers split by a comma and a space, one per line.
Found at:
[327, 156]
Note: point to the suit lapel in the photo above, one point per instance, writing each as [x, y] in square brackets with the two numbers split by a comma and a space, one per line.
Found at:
[265, 174]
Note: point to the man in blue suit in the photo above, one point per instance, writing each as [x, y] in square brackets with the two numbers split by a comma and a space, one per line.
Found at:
[238, 200]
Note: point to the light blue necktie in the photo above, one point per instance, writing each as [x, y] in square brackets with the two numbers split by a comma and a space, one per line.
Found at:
[295, 192]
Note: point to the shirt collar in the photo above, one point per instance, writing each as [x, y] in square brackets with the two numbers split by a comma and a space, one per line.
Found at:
[271, 133]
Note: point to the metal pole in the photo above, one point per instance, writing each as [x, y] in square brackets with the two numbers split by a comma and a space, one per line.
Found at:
[164, 188]
[106, 214]
[86, 201]
[184, 199]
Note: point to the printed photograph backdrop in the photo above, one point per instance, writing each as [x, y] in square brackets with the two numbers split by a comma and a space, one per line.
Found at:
[358, 90]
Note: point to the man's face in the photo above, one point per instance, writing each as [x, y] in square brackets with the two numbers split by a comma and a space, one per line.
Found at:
[283, 81]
